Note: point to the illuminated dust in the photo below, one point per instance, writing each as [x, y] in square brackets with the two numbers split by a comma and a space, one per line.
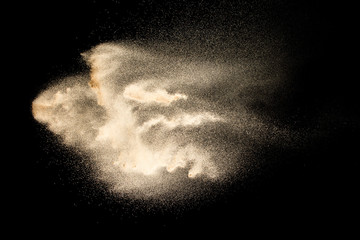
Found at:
[152, 123]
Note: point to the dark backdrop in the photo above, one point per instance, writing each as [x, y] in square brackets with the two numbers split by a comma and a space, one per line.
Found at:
[308, 189]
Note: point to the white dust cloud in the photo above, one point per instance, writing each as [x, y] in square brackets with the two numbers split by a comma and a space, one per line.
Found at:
[148, 122]
[103, 117]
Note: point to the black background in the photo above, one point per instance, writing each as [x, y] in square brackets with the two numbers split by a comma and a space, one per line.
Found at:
[309, 189]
